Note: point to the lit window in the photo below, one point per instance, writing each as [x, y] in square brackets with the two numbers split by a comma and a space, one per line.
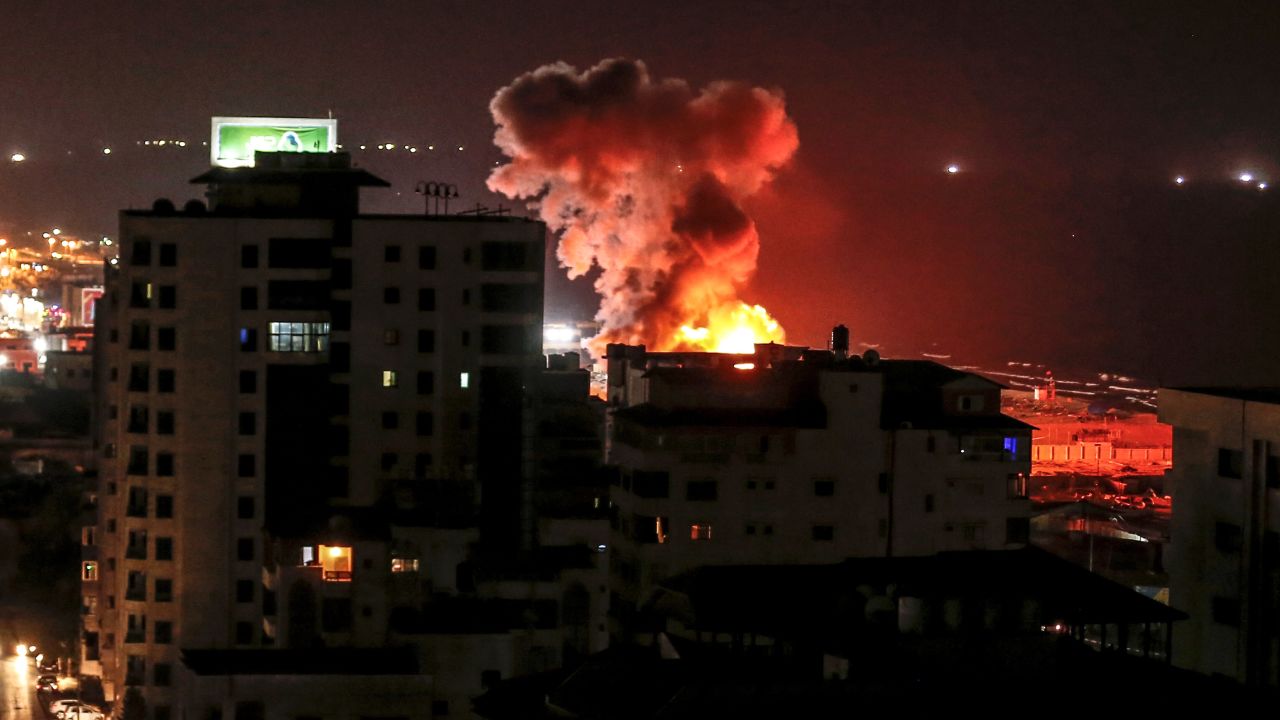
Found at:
[700, 531]
[660, 529]
[299, 336]
[464, 380]
[336, 561]
[308, 555]
[89, 572]
[389, 379]
[404, 565]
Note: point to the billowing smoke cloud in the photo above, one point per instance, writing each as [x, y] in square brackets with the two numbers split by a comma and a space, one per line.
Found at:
[646, 179]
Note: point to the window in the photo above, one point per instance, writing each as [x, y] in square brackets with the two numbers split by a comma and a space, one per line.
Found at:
[141, 254]
[160, 674]
[248, 382]
[244, 591]
[299, 336]
[427, 257]
[248, 256]
[504, 339]
[1230, 463]
[390, 337]
[168, 255]
[426, 299]
[336, 562]
[244, 549]
[464, 380]
[249, 298]
[404, 565]
[164, 464]
[164, 507]
[136, 505]
[246, 466]
[930, 444]
[163, 632]
[506, 255]
[421, 465]
[882, 483]
[824, 488]
[245, 507]
[650, 484]
[426, 341]
[164, 590]
[424, 423]
[164, 548]
[971, 403]
[139, 335]
[391, 253]
[466, 296]
[700, 531]
[1017, 531]
[138, 461]
[166, 380]
[388, 461]
[244, 633]
[928, 503]
[139, 377]
[298, 253]
[168, 297]
[335, 614]
[167, 339]
[466, 256]
[1226, 611]
[248, 339]
[702, 490]
[1017, 485]
[426, 382]
[298, 295]
[137, 547]
[1227, 538]
[391, 295]
[751, 529]
[514, 298]
[390, 420]
[389, 379]
[824, 533]
[439, 708]
[139, 419]
[89, 571]
[466, 338]
[248, 423]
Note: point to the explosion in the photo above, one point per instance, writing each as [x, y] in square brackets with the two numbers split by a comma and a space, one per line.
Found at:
[645, 180]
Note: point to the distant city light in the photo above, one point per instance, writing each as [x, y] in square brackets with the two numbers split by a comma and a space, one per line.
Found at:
[1246, 177]
[106, 151]
[57, 231]
[1262, 186]
[17, 157]
[1180, 180]
[390, 146]
[461, 148]
[431, 147]
[953, 169]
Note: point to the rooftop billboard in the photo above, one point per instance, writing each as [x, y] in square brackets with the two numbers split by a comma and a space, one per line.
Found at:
[235, 139]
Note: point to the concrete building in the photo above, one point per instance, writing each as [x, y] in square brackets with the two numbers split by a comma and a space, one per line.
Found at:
[796, 456]
[309, 419]
[1224, 564]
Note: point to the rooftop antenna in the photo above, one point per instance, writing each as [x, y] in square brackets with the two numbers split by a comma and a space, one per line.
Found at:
[437, 191]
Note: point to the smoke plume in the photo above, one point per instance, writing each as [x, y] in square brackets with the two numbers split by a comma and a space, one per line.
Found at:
[645, 179]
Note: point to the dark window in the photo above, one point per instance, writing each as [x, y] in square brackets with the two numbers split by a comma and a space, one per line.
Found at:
[824, 533]
[506, 255]
[298, 295]
[1230, 463]
[390, 420]
[141, 253]
[139, 335]
[1017, 530]
[140, 294]
[164, 423]
[248, 256]
[427, 257]
[163, 630]
[294, 253]
[391, 295]
[824, 488]
[510, 297]
[244, 549]
[930, 444]
[882, 483]
[421, 465]
[651, 484]
[466, 256]
[1226, 611]
[138, 461]
[164, 464]
[248, 710]
[249, 298]
[340, 275]
[1228, 538]
[244, 591]
[246, 466]
[165, 380]
[390, 337]
[160, 672]
[248, 381]
[168, 297]
[245, 507]
[426, 299]
[505, 340]
[244, 634]
[389, 460]
[168, 255]
[139, 419]
[164, 590]
[466, 296]
[439, 708]
[248, 424]
[248, 339]
[928, 503]
[164, 506]
[426, 341]
[340, 357]
[424, 423]
[1273, 472]
[164, 548]
[340, 314]
[391, 253]
[139, 377]
[162, 712]
[336, 614]
[700, 490]
[166, 338]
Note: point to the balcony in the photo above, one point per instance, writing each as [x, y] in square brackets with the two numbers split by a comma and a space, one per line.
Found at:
[135, 636]
[337, 576]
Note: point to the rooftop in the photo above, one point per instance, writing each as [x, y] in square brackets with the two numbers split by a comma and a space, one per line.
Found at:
[1268, 395]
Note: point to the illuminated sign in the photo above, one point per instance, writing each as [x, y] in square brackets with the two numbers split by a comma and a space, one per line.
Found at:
[88, 305]
[236, 139]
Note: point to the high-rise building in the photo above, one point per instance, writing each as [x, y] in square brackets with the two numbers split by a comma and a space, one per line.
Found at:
[1224, 554]
[793, 456]
[282, 380]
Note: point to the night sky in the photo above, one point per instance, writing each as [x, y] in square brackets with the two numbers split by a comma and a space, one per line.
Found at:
[1062, 240]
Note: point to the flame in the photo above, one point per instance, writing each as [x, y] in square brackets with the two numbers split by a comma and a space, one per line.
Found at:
[731, 328]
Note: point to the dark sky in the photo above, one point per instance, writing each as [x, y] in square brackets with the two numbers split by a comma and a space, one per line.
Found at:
[1063, 240]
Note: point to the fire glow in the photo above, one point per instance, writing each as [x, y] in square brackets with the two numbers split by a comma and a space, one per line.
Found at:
[644, 181]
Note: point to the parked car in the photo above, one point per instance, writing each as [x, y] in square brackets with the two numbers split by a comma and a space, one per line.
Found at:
[47, 683]
[82, 712]
[58, 706]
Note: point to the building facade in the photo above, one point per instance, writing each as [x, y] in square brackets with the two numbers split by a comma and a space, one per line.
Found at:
[1224, 564]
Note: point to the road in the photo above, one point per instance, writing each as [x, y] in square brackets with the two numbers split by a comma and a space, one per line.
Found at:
[17, 690]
